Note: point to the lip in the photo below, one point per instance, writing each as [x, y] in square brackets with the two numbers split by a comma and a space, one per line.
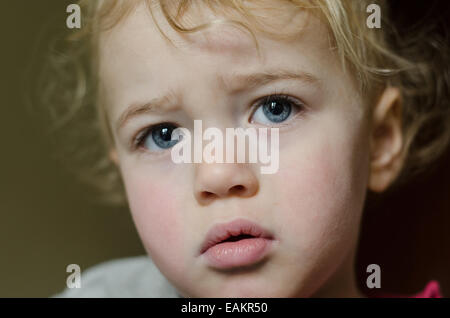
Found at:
[223, 254]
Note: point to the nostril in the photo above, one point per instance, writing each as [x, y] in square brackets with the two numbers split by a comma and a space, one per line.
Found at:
[237, 189]
[207, 195]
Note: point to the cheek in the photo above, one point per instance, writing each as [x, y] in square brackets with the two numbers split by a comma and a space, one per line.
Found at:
[323, 192]
[157, 218]
[320, 194]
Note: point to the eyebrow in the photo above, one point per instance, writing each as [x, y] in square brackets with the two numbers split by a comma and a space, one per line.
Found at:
[250, 81]
[233, 83]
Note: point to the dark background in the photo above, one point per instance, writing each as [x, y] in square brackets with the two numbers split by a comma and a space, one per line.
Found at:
[48, 220]
[407, 232]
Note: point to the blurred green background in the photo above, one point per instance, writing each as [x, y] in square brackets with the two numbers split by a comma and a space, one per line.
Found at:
[49, 220]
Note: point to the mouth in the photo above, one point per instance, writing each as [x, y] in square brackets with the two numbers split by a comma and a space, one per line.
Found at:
[236, 244]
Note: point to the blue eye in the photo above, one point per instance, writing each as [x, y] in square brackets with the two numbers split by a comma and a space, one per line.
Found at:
[275, 109]
[157, 137]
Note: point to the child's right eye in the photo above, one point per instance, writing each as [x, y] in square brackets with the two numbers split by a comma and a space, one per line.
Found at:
[157, 137]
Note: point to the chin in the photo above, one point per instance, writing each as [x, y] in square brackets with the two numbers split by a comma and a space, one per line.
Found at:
[249, 290]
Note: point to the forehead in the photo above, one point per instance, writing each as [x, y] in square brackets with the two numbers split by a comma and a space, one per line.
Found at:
[279, 19]
[136, 53]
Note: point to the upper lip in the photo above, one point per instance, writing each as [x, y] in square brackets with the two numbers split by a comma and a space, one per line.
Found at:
[223, 231]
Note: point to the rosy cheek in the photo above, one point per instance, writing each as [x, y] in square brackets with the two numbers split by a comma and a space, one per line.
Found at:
[307, 192]
[157, 219]
[321, 194]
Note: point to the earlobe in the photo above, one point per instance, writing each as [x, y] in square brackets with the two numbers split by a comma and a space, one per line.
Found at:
[386, 141]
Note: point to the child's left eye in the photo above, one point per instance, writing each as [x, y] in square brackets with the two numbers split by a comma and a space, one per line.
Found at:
[275, 109]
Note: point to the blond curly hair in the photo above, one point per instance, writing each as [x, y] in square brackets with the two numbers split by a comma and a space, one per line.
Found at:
[417, 64]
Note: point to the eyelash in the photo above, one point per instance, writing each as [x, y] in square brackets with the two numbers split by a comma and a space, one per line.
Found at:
[278, 96]
[140, 137]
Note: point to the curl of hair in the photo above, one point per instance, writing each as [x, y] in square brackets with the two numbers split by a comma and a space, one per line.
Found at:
[418, 64]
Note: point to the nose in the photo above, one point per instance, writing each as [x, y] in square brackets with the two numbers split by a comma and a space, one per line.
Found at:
[220, 180]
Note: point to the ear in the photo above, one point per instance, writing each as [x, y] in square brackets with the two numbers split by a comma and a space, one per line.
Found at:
[386, 141]
[113, 156]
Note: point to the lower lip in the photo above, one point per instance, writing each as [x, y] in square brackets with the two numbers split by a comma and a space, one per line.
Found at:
[244, 252]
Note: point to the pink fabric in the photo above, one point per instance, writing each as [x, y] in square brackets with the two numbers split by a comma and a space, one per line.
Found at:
[431, 290]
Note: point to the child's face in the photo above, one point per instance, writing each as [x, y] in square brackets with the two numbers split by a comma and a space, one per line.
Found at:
[312, 205]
